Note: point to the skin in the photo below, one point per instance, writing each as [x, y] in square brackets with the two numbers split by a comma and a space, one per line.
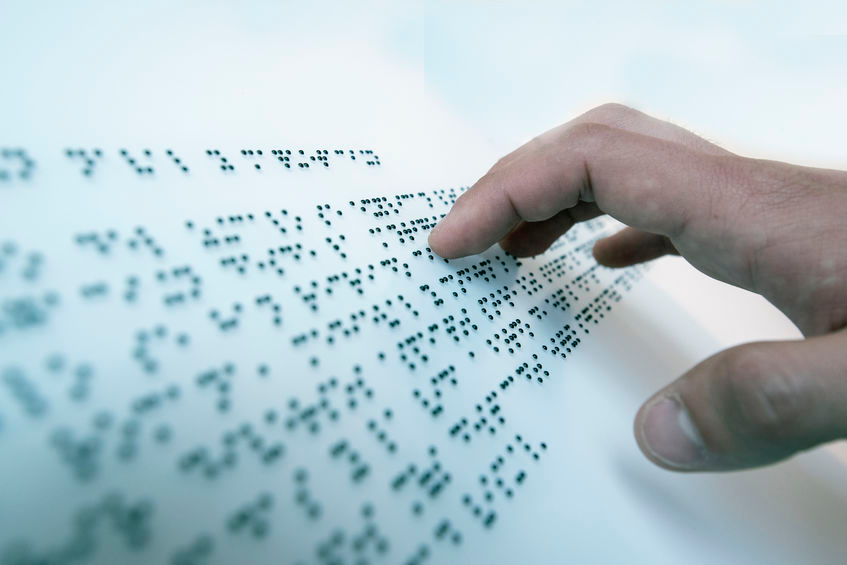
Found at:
[776, 229]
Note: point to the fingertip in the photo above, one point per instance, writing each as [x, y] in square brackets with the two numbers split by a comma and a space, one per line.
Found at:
[520, 247]
[605, 254]
[597, 250]
[630, 247]
[445, 243]
[433, 241]
[441, 242]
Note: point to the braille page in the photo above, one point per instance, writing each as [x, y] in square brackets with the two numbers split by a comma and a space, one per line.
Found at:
[231, 344]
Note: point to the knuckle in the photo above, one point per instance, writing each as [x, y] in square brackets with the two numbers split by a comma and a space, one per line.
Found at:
[587, 140]
[613, 111]
[501, 162]
[763, 396]
[490, 177]
[535, 143]
[586, 131]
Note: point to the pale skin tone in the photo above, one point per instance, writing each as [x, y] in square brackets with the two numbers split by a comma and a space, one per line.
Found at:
[776, 229]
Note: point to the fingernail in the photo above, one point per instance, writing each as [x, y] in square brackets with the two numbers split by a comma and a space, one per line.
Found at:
[670, 435]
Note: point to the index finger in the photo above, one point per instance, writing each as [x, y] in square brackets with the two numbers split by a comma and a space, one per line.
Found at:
[651, 184]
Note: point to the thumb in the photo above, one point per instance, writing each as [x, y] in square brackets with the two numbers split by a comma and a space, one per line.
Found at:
[749, 406]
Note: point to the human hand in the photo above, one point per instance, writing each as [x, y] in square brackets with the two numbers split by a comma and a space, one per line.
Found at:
[773, 228]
